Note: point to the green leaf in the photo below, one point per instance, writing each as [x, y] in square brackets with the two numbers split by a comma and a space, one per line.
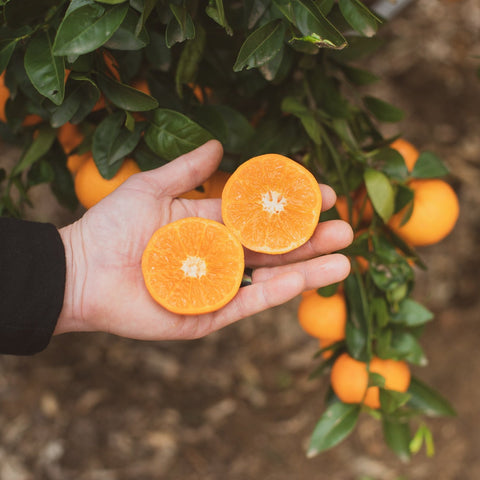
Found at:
[403, 197]
[62, 184]
[412, 313]
[146, 159]
[145, 9]
[380, 192]
[112, 142]
[337, 422]
[39, 147]
[356, 340]
[80, 97]
[309, 121]
[383, 111]
[227, 125]
[157, 52]
[423, 434]
[356, 309]
[375, 380]
[111, 2]
[315, 27]
[171, 134]
[286, 8]
[358, 76]
[41, 172]
[126, 37]
[6, 49]
[328, 95]
[17, 13]
[254, 11]
[428, 401]
[45, 71]
[391, 163]
[406, 346]
[329, 290]
[428, 165]
[397, 435]
[189, 61]
[379, 310]
[216, 12]
[126, 97]
[260, 46]
[359, 17]
[270, 69]
[87, 28]
[391, 400]
[180, 27]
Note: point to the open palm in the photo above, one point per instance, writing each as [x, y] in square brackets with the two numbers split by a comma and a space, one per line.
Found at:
[105, 289]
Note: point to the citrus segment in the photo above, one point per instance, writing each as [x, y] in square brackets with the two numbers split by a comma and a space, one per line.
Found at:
[272, 204]
[193, 266]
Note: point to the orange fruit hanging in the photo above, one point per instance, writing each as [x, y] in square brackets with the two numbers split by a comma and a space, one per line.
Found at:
[324, 343]
[409, 153]
[193, 266]
[142, 85]
[69, 136]
[349, 379]
[76, 160]
[341, 205]
[211, 188]
[91, 187]
[4, 95]
[435, 213]
[272, 204]
[323, 317]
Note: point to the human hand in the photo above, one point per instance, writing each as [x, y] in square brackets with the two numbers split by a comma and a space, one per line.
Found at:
[105, 290]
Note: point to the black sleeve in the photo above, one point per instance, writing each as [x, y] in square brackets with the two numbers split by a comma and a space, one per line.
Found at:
[32, 285]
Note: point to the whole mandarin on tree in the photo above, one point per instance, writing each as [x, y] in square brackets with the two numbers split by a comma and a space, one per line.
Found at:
[407, 150]
[91, 187]
[323, 317]
[349, 379]
[434, 215]
[4, 95]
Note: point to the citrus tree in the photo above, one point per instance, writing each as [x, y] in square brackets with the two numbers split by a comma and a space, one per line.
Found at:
[98, 83]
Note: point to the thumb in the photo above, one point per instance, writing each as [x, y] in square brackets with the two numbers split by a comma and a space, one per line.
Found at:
[187, 171]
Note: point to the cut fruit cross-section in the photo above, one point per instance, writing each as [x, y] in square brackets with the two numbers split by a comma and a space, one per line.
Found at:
[272, 204]
[193, 266]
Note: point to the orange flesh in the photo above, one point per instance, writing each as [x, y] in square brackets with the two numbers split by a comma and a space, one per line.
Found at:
[193, 266]
[272, 204]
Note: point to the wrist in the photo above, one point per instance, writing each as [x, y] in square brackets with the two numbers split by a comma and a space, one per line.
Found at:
[71, 318]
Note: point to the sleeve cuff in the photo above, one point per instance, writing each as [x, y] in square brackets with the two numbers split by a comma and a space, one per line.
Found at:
[32, 285]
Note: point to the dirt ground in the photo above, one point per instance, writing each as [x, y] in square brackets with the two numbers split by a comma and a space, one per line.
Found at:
[238, 404]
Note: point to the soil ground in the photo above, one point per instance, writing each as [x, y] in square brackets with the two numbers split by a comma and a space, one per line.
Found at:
[238, 404]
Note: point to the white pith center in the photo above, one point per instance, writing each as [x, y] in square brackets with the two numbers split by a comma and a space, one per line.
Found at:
[273, 202]
[194, 267]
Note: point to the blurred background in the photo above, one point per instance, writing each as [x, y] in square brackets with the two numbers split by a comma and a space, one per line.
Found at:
[238, 404]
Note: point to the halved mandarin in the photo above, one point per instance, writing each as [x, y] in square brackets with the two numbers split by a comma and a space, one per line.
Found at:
[272, 204]
[193, 266]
